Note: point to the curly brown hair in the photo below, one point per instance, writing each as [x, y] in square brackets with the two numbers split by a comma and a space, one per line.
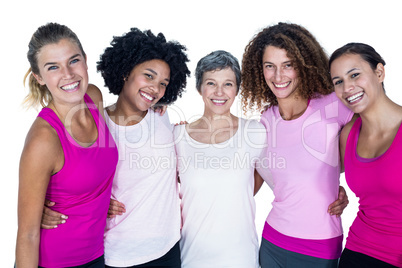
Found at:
[306, 54]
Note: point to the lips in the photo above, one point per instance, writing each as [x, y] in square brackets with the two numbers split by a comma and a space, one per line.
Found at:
[282, 85]
[71, 87]
[147, 96]
[218, 102]
[355, 97]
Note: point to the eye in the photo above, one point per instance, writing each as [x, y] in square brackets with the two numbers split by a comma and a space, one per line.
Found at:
[52, 68]
[210, 83]
[74, 61]
[229, 84]
[269, 66]
[148, 75]
[354, 75]
[338, 82]
[288, 66]
[164, 84]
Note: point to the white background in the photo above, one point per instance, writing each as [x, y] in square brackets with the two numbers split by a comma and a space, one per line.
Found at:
[201, 26]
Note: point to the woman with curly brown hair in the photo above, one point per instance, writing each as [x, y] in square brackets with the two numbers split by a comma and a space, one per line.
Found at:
[285, 74]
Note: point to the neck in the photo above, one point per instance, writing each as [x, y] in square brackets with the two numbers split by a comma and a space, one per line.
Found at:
[212, 123]
[124, 115]
[292, 108]
[68, 113]
[382, 114]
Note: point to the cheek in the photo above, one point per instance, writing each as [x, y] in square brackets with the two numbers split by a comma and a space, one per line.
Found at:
[267, 75]
[338, 92]
[162, 92]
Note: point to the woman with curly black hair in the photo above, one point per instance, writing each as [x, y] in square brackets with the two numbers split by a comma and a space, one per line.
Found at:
[144, 70]
[285, 74]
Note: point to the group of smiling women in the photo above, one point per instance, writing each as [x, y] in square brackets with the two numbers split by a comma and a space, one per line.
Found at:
[321, 115]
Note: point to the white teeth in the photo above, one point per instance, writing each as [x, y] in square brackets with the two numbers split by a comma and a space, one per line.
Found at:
[218, 101]
[71, 86]
[148, 97]
[353, 98]
[282, 85]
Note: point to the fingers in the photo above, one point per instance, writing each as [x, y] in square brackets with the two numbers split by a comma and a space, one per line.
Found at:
[337, 207]
[160, 109]
[49, 203]
[50, 218]
[115, 208]
[181, 123]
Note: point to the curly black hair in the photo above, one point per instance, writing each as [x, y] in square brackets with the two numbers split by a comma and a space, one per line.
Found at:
[307, 55]
[136, 47]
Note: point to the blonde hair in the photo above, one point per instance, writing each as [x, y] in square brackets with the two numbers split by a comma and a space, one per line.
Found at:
[51, 33]
[38, 94]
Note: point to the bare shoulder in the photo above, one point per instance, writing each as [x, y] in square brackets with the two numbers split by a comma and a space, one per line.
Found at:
[346, 130]
[42, 144]
[96, 95]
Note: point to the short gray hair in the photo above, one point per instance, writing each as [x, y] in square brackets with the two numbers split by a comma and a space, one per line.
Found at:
[217, 60]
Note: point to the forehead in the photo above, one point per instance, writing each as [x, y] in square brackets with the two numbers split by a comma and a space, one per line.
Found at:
[348, 61]
[275, 53]
[58, 51]
[224, 74]
[155, 64]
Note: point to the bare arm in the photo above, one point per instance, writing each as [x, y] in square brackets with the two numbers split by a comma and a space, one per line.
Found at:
[37, 163]
[344, 137]
[258, 182]
[337, 207]
[50, 218]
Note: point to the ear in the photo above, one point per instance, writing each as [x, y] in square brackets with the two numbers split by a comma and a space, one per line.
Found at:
[86, 63]
[380, 72]
[39, 79]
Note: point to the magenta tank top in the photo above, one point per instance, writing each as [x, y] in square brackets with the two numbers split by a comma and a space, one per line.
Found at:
[81, 190]
[377, 229]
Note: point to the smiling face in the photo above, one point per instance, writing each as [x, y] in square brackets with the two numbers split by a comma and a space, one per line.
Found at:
[145, 85]
[63, 69]
[218, 90]
[356, 84]
[279, 72]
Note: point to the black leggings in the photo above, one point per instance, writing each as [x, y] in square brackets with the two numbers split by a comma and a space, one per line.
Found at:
[169, 260]
[353, 259]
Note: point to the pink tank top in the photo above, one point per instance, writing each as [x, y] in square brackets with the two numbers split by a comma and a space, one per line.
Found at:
[81, 190]
[377, 229]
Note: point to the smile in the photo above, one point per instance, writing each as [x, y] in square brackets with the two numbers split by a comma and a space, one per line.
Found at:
[70, 87]
[355, 97]
[147, 96]
[283, 85]
[219, 102]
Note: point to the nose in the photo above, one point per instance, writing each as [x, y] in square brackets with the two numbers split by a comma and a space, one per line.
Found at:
[68, 73]
[219, 90]
[348, 86]
[155, 87]
[278, 74]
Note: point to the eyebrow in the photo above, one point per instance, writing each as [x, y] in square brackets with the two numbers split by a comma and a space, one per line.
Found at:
[155, 73]
[285, 62]
[348, 72]
[53, 63]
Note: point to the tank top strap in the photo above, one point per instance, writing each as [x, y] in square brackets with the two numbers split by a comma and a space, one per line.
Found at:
[50, 116]
[65, 138]
[351, 142]
[100, 122]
